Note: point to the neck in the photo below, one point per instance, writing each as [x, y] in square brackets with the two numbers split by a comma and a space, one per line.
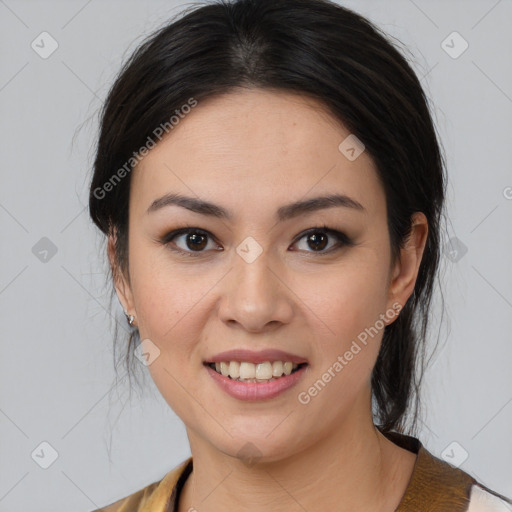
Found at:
[354, 469]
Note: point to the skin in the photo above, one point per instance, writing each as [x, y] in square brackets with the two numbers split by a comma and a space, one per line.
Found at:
[251, 152]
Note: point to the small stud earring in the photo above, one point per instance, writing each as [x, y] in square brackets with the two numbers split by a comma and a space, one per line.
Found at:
[129, 318]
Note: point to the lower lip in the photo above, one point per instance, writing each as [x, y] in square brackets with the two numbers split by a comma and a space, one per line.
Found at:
[253, 391]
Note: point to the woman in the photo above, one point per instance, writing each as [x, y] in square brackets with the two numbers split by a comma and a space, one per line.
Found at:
[272, 188]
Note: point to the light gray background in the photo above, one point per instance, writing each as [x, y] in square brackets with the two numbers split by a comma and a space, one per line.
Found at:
[56, 370]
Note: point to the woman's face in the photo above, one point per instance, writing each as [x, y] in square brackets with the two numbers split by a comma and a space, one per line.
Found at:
[253, 279]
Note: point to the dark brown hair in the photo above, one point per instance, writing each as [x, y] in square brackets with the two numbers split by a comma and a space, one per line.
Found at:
[315, 48]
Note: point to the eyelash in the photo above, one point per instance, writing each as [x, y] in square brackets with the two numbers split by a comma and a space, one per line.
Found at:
[342, 238]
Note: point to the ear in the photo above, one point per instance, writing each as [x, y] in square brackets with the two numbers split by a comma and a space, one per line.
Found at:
[122, 285]
[405, 271]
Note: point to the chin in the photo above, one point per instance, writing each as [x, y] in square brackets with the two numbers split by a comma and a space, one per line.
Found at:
[258, 447]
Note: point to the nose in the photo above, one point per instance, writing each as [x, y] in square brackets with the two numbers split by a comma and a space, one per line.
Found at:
[255, 295]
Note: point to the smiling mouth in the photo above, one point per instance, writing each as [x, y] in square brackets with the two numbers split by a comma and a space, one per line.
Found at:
[260, 372]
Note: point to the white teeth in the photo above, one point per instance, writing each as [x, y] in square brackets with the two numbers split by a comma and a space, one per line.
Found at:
[277, 368]
[224, 369]
[287, 368]
[247, 371]
[261, 372]
[264, 371]
[234, 369]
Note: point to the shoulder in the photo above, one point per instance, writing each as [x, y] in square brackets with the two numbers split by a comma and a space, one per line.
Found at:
[483, 499]
[438, 486]
[156, 496]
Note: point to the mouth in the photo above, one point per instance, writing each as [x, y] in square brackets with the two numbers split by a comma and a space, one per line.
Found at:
[244, 371]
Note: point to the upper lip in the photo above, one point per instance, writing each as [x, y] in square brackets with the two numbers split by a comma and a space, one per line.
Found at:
[251, 356]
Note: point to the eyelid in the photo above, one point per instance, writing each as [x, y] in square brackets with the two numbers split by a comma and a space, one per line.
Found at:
[342, 239]
[166, 240]
[325, 229]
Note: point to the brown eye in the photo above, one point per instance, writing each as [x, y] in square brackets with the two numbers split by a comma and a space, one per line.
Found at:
[317, 239]
[188, 241]
[196, 241]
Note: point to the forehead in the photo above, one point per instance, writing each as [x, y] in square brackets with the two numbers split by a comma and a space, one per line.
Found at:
[251, 146]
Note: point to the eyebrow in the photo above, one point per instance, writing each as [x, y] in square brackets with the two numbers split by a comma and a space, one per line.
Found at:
[285, 212]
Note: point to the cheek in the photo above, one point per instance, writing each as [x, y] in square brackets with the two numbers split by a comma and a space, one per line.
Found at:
[168, 307]
[172, 316]
[157, 290]
[354, 296]
[346, 359]
[350, 305]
